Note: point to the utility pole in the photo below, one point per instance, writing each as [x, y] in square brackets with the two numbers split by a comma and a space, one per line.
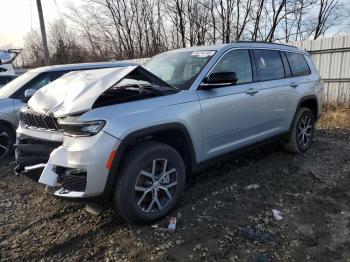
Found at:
[43, 32]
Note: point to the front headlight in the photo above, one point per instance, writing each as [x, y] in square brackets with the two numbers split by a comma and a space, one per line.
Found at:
[89, 128]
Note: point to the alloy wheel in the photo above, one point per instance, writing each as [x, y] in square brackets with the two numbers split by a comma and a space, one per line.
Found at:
[155, 185]
[305, 130]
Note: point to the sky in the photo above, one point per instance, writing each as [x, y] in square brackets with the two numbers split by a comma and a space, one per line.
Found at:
[17, 17]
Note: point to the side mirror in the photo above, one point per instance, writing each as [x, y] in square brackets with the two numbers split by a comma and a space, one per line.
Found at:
[219, 79]
[28, 93]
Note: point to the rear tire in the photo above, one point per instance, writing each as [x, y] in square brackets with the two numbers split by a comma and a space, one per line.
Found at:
[7, 139]
[149, 183]
[302, 132]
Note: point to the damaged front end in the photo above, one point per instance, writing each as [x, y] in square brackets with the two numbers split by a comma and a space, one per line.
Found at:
[33, 152]
[66, 152]
[32, 155]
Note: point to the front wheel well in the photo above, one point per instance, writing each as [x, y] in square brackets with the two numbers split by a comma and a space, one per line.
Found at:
[176, 137]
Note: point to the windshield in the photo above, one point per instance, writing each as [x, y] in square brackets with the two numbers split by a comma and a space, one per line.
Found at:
[179, 69]
[10, 88]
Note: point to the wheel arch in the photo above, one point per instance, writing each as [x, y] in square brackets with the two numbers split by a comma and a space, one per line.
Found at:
[164, 133]
[310, 102]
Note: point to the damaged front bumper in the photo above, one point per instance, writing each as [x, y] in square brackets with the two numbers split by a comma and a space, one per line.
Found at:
[32, 155]
[69, 167]
[78, 169]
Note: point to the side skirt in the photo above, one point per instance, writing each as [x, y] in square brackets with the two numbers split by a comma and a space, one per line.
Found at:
[208, 163]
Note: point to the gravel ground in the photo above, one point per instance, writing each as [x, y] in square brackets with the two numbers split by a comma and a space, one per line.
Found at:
[219, 219]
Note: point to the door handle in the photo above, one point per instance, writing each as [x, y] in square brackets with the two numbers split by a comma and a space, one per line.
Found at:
[252, 91]
[293, 84]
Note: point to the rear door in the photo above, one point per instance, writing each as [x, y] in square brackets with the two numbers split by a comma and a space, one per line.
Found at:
[231, 116]
[276, 95]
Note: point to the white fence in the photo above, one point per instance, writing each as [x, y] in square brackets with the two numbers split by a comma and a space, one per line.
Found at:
[332, 58]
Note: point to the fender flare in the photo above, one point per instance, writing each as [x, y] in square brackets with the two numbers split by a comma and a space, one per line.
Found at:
[303, 99]
[132, 138]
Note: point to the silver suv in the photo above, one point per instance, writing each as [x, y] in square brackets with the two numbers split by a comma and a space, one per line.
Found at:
[132, 135]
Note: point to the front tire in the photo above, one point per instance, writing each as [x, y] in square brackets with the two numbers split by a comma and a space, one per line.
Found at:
[150, 183]
[302, 132]
[7, 139]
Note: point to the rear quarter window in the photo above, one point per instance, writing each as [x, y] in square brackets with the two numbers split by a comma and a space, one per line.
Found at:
[298, 64]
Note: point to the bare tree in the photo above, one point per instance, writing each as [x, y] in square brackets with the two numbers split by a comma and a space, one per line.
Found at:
[101, 30]
[246, 6]
[257, 19]
[328, 15]
[277, 7]
[32, 53]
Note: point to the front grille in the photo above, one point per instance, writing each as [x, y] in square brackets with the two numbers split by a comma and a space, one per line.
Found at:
[33, 120]
[72, 182]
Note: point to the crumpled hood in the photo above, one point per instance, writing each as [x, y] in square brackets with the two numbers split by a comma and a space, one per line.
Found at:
[77, 91]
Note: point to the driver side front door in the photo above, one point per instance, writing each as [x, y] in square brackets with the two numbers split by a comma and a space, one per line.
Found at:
[231, 115]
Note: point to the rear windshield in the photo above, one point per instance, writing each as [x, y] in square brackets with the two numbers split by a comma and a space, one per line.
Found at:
[179, 69]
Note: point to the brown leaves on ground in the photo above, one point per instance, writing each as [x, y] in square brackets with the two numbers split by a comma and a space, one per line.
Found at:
[335, 118]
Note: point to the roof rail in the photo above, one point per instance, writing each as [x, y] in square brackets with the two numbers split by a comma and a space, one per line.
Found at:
[263, 42]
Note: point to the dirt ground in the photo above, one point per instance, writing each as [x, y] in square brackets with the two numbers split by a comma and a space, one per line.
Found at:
[219, 219]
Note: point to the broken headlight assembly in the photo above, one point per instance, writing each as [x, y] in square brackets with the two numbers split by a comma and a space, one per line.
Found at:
[89, 128]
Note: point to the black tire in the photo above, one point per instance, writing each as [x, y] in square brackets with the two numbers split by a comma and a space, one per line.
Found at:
[126, 198]
[299, 142]
[7, 139]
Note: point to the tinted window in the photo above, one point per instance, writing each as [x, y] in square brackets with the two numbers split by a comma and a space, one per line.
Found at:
[298, 64]
[269, 65]
[237, 61]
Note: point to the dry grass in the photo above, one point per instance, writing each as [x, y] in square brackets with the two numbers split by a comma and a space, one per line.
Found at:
[335, 118]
